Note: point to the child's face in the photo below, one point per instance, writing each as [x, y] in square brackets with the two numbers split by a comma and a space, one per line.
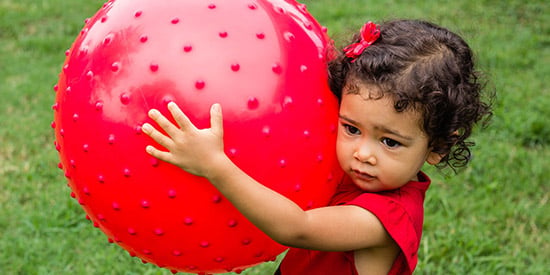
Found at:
[379, 148]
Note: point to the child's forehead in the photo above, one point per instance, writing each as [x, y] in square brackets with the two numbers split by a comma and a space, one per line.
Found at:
[401, 100]
[380, 114]
[359, 95]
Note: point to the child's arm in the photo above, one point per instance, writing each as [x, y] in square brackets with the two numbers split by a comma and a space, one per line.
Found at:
[200, 152]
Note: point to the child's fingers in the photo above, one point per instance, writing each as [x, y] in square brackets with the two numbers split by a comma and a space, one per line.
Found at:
[216, 119]
[156, 135]
[164, 156]
[163, 122]
[180, 118]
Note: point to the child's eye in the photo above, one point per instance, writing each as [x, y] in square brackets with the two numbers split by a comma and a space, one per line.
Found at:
[390, 143]
[352, 130]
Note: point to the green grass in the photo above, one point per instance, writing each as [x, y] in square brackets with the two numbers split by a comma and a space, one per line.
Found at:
[492, 218]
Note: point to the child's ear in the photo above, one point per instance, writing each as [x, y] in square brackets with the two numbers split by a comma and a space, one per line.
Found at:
[434, 158]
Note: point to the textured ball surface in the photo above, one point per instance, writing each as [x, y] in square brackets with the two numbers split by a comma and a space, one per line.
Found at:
[263, 61]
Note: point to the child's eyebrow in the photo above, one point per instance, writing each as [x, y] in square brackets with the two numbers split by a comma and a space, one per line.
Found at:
[347, 119]
[394, 132]
[381, 128]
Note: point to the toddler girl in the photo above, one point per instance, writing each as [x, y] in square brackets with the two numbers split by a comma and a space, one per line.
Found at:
[409, 95]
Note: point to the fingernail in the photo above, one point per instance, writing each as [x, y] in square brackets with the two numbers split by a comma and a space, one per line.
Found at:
[146, 127]
[216, 107]
[153, 112]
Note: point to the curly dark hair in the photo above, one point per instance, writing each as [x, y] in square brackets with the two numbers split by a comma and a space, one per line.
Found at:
[425, 68]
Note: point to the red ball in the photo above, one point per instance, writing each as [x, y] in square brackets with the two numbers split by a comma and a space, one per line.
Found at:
[263, 61]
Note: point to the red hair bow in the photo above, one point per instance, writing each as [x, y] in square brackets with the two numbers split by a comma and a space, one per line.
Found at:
[369, 33]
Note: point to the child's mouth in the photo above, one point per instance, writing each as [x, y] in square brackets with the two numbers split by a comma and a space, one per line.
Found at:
[362, 175]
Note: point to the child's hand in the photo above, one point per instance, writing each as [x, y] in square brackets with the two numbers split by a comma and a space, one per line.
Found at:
[194, 150]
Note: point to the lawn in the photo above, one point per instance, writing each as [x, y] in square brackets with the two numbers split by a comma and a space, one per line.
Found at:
[491, 218]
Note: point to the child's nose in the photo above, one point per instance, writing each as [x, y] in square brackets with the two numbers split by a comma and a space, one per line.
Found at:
[365, 154]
